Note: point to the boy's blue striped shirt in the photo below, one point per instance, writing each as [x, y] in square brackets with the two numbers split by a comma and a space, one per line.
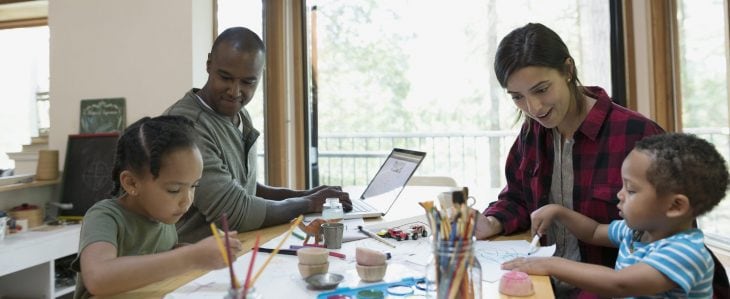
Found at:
[682, 257]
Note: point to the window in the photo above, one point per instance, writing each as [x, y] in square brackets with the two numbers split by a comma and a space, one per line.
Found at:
[419, 75]
[702, 30]
[24, 76]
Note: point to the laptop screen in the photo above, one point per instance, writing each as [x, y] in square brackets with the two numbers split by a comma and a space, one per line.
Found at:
[392, 176]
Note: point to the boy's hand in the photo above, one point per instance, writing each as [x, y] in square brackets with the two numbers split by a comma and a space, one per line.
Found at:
[209, 256]
[529, 265]
[544, 217]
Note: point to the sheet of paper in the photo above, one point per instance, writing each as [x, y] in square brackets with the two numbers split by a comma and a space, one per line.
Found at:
[282, 270]
[408, 260]
[351, 232]
[491, 254]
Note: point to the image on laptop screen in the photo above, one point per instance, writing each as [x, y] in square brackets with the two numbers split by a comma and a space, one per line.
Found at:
[391, 178]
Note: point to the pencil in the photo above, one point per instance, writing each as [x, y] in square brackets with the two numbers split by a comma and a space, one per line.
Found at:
[234, 281]
[281, 251]
[337, 254]
[273, 253]
[247, 283]
[298, 235]
[374, 236]
[331, 253]
[218, 240]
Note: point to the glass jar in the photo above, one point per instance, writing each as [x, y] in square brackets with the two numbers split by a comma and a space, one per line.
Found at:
[236, 294]
[332, 210]
[454, 271]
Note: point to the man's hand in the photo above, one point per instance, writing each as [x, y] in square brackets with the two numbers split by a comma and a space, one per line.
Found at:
[318, 197]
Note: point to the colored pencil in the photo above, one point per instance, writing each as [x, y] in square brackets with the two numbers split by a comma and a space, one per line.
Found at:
[234, 281]
[247, 283]
[374, 236]
[280, 251]
[221, 247]
[273, 253]
[331, 253]
[298, 235]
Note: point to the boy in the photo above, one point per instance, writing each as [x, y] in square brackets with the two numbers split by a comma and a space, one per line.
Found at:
[668, 181]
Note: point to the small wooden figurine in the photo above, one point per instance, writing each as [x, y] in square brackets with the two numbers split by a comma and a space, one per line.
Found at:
[312, 229]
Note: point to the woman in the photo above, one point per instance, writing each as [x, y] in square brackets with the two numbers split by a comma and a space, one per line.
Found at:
[569, 150]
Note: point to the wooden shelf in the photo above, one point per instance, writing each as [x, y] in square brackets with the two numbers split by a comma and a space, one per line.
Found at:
[32, 184]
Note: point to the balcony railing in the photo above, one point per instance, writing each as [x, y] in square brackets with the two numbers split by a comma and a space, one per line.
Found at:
[470, 158]
[473, 159]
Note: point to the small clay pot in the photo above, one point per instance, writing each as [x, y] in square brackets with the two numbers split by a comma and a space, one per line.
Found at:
[312, 255]
[309, 270]
[371, 273]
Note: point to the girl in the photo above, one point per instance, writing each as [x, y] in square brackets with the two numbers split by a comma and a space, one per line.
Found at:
[130, 240]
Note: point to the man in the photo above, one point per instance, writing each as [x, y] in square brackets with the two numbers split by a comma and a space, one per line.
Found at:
[227, 144]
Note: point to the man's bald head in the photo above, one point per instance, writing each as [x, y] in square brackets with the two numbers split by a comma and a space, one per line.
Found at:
[240, 38]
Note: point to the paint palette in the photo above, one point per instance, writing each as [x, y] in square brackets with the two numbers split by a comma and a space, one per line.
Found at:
[404, 288]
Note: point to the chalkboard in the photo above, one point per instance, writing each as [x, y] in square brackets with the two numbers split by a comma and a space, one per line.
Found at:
[87, 171]
[102, 115]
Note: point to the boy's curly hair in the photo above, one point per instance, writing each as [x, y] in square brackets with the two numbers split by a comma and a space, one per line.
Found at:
[686, 164]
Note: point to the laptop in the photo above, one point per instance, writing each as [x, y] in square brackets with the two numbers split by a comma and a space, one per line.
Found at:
[387, 184]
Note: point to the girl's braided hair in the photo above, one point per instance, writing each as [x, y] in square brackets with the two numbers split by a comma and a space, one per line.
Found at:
[144, 143]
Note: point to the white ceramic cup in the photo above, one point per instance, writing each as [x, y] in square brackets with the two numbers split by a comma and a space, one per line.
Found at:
[23, 223]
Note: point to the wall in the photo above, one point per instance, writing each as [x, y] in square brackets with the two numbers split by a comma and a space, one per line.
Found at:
[149, 52]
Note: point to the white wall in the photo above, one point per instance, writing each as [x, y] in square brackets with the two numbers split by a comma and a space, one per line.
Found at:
[149, 52]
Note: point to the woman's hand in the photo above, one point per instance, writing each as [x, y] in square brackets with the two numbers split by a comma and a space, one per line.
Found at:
[487, 226]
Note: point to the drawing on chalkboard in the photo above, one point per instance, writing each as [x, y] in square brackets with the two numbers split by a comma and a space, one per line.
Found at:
[102, 116]
[87, 171]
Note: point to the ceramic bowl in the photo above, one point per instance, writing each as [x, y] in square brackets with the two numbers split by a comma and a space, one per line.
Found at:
[312, 255]
[309, 270]
[371, 273]
[324, 281]
[369, 257]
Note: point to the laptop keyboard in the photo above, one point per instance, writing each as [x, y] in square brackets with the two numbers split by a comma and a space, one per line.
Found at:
[359, 206]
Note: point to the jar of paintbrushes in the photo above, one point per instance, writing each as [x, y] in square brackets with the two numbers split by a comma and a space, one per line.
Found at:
[454, 271]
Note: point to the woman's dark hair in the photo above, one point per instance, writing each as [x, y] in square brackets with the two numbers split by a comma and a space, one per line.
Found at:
[686, 164]
[144, 143]
[536, 45]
